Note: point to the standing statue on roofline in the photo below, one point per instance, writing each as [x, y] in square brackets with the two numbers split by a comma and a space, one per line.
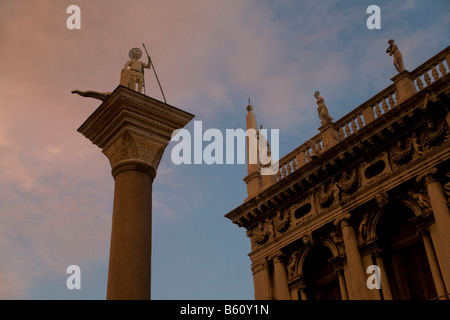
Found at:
[398, 59]
[322, 109]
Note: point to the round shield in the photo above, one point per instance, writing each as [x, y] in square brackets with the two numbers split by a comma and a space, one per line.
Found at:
[132, 51]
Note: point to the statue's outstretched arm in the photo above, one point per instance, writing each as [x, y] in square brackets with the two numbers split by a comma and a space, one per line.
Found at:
[93, 94]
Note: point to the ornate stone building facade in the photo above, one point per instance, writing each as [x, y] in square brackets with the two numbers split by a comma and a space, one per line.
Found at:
[371, 188]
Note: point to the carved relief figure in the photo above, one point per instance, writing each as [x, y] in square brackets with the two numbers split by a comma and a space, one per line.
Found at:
[259, 235]
[291, 264]
[349, 182]
[322, 109]
[282, 221]
[326, 196]
[401, 152]
[421, 199]
[434, 133]
[362, 229]
[381, 199]
[398, 59]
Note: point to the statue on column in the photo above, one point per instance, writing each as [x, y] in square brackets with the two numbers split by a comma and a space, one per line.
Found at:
[135, 74]
[322, 109]
[398, 59]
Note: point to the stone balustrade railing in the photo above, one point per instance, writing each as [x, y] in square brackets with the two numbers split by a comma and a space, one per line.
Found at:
[300, 156]
[432, 70]
[384, 101]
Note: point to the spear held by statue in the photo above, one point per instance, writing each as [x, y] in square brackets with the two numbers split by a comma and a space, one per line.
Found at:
[153, 67]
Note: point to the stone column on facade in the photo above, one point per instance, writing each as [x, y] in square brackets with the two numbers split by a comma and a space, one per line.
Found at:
[342, 285]
[385, 285]
[439, 207]
[281, 286]
[133, 131]
[261, 281]
[434, 266]
[356, 280]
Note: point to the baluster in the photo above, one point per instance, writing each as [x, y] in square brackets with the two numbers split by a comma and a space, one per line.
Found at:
[377, 110]
[289, 167]
[419, 83]
[341, 133]
[442, 68]
[308, 155]
[294, 164]
[318, 147]
[346, 130]
[301, 158]
[427, 78]
[283, 170]
[360, 122]
[391, 102]
[354, 128]
[279, 174]
[384, 105]
[435, 73]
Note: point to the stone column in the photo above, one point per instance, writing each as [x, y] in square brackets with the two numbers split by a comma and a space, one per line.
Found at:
[281, 287]
[261, 281]
[385, 286]
[133, 131]
[434, 266]
[356, 280]
[439, 206]
[130, 252]
[342, 286]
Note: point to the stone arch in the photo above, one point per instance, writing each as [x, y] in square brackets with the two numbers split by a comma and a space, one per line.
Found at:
[320, 241]
[318, 277]
[379, 212]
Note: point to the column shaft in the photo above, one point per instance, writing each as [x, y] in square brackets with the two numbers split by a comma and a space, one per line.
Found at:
[356, 280]
[434, 267]
[130, 253]
[385, 286]
[342, 286]
[282, 289]
[441, 213]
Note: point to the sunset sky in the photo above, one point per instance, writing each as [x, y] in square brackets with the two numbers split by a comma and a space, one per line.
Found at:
[211, 56]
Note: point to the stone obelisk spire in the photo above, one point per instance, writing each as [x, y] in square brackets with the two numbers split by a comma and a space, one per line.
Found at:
[133, 131]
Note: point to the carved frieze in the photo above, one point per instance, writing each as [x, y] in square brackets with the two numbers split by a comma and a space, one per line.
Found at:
[349, 182]
[334, 191]
[434, 133]
[282, 221]
[401, 152]
[327, 193]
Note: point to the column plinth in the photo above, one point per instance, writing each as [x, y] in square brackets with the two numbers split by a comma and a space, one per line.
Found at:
[133, 131]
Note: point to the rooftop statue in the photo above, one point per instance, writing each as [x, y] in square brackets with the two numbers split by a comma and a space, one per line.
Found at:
[398, 59]
[322, 109]
[133, 70]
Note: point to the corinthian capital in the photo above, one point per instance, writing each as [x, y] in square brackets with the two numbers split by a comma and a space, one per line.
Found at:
[427, 175]
[343, 221]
